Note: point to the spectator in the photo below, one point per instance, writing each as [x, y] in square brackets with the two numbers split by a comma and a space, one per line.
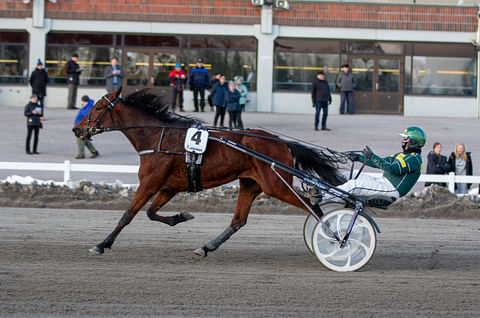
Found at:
[346, 83]
[321, 98]
[218, 100]
[436, 163]
[87, 104]
[461, 163]
[73, 72]
[38, 81]
[199, 81]
[232, 98]
[214, 80]
[178, 78]
[114, 75]
[242, 89]
[33, 112]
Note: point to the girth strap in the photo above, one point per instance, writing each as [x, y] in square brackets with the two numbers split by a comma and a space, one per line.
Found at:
[193, 172]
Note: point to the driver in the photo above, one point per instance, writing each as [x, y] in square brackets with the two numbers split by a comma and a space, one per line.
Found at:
[400, 171]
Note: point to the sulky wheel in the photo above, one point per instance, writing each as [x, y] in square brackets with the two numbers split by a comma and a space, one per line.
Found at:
[358, 249]
[311, 222]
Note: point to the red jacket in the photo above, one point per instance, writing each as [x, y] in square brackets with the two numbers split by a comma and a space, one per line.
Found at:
[178, 79]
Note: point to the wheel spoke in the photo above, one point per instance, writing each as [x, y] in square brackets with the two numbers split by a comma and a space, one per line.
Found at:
[332, 253]
[360, 243]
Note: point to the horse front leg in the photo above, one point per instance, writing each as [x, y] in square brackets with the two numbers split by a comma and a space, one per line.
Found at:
[160, 200]
[141, 197]
[249, 190]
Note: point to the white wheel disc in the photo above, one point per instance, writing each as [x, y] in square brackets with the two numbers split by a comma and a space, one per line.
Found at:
[311, 222]
[357, 251]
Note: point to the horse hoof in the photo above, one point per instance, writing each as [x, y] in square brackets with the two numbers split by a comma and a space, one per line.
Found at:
[200, 252]
[96, 250]
[187, 216]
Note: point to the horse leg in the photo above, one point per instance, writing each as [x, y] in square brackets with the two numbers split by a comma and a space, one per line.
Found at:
[141, 197]
[249, 190]
[160, 200]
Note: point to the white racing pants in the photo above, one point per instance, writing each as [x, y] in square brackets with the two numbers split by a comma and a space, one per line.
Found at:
[368, 186]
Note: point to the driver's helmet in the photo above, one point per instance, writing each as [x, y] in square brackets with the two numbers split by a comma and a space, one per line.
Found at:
[416, 135]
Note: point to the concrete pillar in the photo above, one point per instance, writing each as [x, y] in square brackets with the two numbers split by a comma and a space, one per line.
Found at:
[37, 42]
[265, 68]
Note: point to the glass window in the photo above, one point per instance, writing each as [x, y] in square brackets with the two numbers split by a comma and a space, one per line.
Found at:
[440, 75]
[13, 57]
[376, 48]
[93, 61]
[296, 71]
[152, 40]
[80, 39]
[306, 45]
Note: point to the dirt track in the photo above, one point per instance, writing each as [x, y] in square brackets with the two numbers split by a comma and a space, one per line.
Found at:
[422, 268]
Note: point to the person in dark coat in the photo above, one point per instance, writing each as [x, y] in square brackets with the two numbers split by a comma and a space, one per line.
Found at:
[38, 81]
[232, 103]
[114, 75]
[436, 163]
[199, 82]
[218, 100]
[461, 163]
[321, 98]
[346, 83]
[33, 112]
[214, 80]
[73, 71]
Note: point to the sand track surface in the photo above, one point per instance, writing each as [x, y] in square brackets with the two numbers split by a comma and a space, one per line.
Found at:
[421, 268]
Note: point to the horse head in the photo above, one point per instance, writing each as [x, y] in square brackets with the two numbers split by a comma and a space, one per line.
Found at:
[100, 118]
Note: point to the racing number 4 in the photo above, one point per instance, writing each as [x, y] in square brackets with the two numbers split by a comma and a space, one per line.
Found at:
[197, 137]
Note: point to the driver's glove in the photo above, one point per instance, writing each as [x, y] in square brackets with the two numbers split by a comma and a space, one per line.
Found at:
[367, 152]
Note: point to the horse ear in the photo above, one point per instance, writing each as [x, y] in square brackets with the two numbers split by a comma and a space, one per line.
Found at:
[116, 94]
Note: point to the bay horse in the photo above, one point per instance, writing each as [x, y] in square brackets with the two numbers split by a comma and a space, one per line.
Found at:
[158, 137]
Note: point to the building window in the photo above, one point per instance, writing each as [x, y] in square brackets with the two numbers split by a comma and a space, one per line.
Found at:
[296, 71]
[297, 61]
[93, 61]
[13, 57]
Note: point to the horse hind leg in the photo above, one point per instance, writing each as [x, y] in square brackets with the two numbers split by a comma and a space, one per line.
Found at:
[160, 200]
[249, 190]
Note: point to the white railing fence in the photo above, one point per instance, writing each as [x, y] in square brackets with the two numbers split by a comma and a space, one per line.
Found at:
[67, 167]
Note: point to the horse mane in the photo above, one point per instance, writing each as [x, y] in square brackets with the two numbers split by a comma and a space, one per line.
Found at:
[157, 106]
[318, 162]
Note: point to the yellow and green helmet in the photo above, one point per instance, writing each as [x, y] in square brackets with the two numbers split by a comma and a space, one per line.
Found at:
[415, 134]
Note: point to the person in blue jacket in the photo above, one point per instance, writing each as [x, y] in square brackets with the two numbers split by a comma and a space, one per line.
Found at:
[218, 99]
[199, 82]
[232, 103]
[87, 104]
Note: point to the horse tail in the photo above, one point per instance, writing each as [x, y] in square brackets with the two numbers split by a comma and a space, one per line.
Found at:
[320, 163]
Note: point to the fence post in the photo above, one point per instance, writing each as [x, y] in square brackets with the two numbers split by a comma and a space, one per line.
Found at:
[66, 171]
[451, 182]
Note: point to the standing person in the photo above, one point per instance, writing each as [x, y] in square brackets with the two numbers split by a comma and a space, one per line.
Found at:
[114, 75]
[178, 78]
[436, 163]
[214, 80]
[33, 112]
[461, 163]
[232, 103]
[321, 98]
[38, 81]
[346, 83]
[87, 104]
[199, 81]
[218, 100]
[73, 72]
[242, 89]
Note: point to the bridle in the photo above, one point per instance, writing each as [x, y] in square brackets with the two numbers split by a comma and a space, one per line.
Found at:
[98, 127]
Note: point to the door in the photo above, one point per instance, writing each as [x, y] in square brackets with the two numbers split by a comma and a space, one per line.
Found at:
[148, 69]
[378, 88]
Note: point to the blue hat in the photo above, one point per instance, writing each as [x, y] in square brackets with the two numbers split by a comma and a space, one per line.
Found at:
[39, 62]
[178, 65]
